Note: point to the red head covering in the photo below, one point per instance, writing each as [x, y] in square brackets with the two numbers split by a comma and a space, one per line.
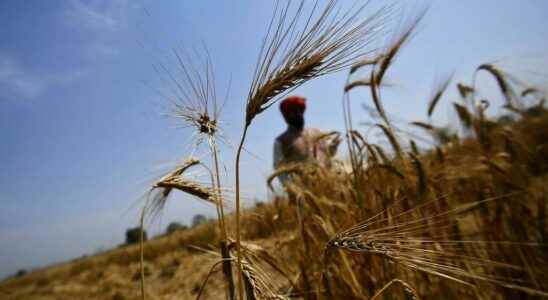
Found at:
[292, 104]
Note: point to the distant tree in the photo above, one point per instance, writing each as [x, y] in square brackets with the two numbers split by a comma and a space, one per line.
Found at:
[20, 273]
[174, 226]
[133, 235]
[198, 219]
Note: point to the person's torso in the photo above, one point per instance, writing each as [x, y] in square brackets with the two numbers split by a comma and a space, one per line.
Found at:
[300, 145]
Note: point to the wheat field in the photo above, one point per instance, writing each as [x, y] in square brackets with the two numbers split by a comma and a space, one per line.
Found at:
[461, 218]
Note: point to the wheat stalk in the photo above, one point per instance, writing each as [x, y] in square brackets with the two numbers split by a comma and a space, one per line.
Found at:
[284, 169]
[328, 42]
[294, 53]
[438, 92]
[392, 139]
[464, 90]
[197, 105]
[259, 284]
[406, 287]
[421, 175]
[192, 188]
[464, 115]
[414, 148]
[155, 204]
[421, 241]
[529, 90]
[501, 81]
[423, 125]
[383, 61]
[389, 55]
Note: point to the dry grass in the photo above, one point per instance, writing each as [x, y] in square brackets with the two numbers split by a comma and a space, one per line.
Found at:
[465, 220]
[470, 233]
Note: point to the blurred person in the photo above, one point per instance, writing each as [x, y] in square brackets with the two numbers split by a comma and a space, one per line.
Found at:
[299, 144]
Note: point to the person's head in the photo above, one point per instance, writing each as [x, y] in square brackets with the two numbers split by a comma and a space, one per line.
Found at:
[292, 109]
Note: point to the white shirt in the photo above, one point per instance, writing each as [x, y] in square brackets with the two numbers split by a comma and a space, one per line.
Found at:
[302, 145]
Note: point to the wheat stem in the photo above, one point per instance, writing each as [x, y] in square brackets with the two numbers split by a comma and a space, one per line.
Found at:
[141, 253]
[238, 236]
[227, 267]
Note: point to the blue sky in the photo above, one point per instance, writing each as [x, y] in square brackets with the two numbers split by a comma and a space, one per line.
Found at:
[84, 131]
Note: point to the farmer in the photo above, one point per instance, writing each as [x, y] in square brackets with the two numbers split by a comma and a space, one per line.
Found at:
[300, 144]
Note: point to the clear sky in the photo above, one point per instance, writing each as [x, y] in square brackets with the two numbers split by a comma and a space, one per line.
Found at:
[84, 133]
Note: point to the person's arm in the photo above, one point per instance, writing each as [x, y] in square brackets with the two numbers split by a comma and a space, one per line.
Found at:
[277, 154]
[325, 144]
[334, 145]
[277, 160]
